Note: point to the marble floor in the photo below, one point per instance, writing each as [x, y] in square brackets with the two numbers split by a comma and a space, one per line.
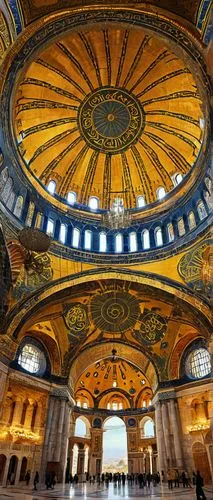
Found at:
[102, 492]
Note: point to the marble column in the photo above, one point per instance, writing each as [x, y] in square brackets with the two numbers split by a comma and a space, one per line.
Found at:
[18, 470]
[81, 463]
[96, 450]
[29, 414]
[166, 431]
[17, 411]
[6, 470]
[176, 433]
[162, 463]
[56, 437]
[37, 424]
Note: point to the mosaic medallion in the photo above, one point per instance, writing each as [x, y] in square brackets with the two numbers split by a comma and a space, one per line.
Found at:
[110, 119]
[114, 311]
[153, 328]
[76, 318]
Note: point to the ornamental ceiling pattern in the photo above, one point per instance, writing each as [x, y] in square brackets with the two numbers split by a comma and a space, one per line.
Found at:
[34, 9]
[118, 376]
[107, 314]
[109, 110]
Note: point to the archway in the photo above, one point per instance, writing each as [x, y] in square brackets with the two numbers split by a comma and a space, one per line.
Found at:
[114, 438]
[201, 461]
[2, 467]
[82, 427]
[12, 469]
[23, 469]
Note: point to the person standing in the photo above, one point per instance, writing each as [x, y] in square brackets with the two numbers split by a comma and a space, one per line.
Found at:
[36, 480]
[199, 487]
[27, 477]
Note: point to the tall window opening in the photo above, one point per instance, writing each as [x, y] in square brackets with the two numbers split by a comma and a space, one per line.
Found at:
[115, 446]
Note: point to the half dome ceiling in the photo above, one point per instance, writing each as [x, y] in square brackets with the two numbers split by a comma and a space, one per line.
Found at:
[105, 111]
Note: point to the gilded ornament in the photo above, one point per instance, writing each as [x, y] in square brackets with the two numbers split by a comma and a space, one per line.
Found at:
[195, 268]
[114, 311]
[153, 328]
[76, 318]
[111, 119]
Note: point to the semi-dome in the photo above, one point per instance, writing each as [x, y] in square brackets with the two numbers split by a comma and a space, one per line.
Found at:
[106, 111]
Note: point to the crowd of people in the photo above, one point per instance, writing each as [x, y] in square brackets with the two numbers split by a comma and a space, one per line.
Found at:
[174, 478]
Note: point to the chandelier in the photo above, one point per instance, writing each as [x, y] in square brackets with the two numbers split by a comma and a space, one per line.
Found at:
[117, 217]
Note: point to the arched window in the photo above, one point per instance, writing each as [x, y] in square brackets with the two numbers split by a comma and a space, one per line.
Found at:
[63, 233]
[208, 183]
[10, 200]
[158, 237]
[102, 242]
[51, 187]
[141, 201]
[198, 363]
[177, 178]
[191, 220]
[145, 239]
[4, 176]
[75, 237]
[170, 231]
[118, 243]
[71, 197]
[133, 242]
[93, 202]
[149, 429]
[201, 210]
[30, 214]
[50, 227]
[208, 199]
[39, 220]
[181, 226]
[7, 190]
[32, 359]
[161, 193]
[18, 207]
[87, 239]
[80, 428]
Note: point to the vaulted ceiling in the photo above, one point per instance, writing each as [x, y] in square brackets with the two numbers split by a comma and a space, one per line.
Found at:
[109, 110]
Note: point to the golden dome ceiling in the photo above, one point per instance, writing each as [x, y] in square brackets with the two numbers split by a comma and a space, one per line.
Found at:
[108, 110]
[107, 377]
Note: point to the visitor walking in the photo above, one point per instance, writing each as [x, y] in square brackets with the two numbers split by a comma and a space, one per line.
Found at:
[199, 487]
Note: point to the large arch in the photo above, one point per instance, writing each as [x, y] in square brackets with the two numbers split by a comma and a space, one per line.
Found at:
[104, 350]
[20, 315]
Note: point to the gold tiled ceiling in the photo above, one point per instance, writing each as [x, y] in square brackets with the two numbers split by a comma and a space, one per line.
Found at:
[107, 110]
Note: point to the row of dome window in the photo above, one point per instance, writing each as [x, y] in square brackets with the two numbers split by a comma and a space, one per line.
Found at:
[133, 244]
[94, 202]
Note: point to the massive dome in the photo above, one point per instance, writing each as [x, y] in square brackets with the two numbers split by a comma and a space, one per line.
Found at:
[109, 110]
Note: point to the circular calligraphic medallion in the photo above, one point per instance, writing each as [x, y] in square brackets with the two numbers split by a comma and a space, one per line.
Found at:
[153, 328]
[76, 318]
[111, 119]
[114, 311]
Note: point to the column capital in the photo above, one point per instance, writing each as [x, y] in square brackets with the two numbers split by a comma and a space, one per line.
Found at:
[161, 397]
[62, 393]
